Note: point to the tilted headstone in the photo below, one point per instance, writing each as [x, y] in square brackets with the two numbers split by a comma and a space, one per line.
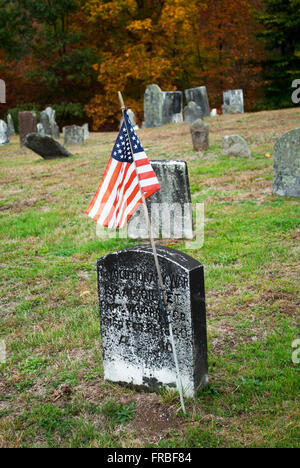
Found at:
[27, 124]
[170, 208]
[233, 101]
[235, 145]
[134, 327]
[192, 112]
[2, 92]
[86, 132]
[74, 135]
[46, 146]
[200, 135]
[4, 133]
[287, 164]
[10, 124]
[161, 107]
[199, 96]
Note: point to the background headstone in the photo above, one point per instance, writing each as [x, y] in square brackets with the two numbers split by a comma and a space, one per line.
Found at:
[192, 112]
[199, 96]
[10, 124]
[134, 330]
[200, 135]
[40, 129]
[2, 92]
[132, 119]
[287, 164]
[4, 133]
[74, 135]
[86, 132]
[53, 130]
[233, 100]
[45, 122]
[153, 105]
[162, 107]
[170, 208]
[214, 113]
[235, 145]
[27, 124]
[46, 146]
[172, 107]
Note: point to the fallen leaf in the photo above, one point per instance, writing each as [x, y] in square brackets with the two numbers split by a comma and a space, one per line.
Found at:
[85, 293]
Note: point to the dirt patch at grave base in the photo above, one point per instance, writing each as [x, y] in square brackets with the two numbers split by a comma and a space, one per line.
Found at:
[153, 420]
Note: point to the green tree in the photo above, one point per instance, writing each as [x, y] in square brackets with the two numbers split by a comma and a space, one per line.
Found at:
[54, 51]
[281, 26]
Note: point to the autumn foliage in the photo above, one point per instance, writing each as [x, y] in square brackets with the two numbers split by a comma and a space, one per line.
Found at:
[88, 50]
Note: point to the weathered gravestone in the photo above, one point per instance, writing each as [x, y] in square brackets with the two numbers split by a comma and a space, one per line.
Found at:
[27, 124]
[45, 146]
[235, 145]
[192, 112]
[132, 119]
[135, 332]
[10, 124]
[162, 107]
[86, 133]
[2, 92]
[40, 129]
[200, 135]
[172, 107]
[287, 164]
[170, 208]
[4, 133]
[74, 135]
[233, 101]
[199, 96]
[45, 122]
[54, 128]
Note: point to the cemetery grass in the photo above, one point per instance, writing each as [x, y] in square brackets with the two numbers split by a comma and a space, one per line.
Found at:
[52, 391]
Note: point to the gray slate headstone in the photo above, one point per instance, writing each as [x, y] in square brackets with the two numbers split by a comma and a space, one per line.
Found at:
[199, 96]
[27, 124]
[4, 133]
[170, 208]
[200, 135]
[10, 124]
[134, 329]
[46, 146]
[172, 107]
[192, 112]
[287, 164]
[162, 107]
[235, 145]
[74, 135]
[233, 100]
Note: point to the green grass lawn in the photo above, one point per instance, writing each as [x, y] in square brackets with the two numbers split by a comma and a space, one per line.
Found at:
[52, 391]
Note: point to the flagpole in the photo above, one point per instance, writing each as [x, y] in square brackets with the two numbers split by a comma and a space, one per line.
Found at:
[158, 269]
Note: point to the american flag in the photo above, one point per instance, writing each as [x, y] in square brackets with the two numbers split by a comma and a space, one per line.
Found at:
[119, 194]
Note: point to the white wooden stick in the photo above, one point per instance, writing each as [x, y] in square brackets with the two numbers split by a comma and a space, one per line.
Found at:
[158, 269]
